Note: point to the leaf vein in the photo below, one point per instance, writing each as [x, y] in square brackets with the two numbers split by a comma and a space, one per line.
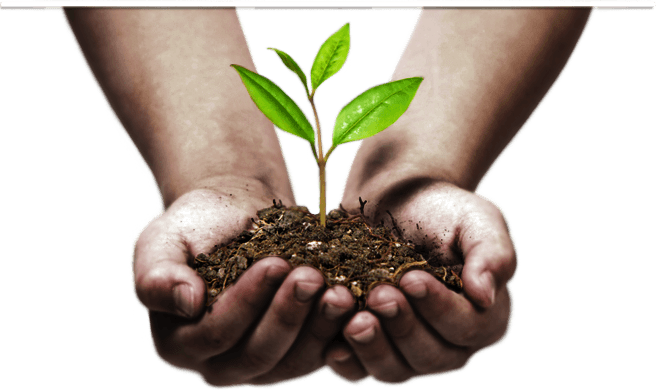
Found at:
[345, 132]
[280, 107]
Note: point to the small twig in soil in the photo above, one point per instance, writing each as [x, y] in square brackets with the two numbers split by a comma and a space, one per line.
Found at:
[362, 203]
[407, 266]
[396, 227]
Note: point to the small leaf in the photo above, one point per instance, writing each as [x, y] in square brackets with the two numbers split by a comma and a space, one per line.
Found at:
[374, 110]
[331, 56]
[291, 64]
[275, 104]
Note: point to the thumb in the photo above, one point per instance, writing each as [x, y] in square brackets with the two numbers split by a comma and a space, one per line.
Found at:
[171, 288]
[489, 255]
[164, 281]
[479, 283]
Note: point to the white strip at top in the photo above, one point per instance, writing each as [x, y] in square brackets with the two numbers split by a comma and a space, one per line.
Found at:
[332, 4]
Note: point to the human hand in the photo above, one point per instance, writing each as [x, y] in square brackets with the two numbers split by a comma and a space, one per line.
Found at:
[423, 327]
[272, 324]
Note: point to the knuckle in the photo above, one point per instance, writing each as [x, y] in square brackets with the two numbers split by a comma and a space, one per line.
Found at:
[217, 341]
[149, 282]
[288, 316]
[407, 331]
[467, 335]
[504, 254]
[288, 320]
[258, 361]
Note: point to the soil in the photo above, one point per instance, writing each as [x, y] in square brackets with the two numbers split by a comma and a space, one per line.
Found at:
[347, 251]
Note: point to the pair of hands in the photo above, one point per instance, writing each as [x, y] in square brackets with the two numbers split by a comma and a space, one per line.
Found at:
[276, 323]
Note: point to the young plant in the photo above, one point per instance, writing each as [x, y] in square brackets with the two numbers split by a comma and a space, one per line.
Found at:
[368, 114]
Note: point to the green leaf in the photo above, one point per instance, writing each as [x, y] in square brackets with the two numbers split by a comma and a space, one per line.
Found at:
[291, 64]
[374, 110]
[331, 56]
[275, 104]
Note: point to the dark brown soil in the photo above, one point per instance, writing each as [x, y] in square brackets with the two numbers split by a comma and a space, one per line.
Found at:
[347, 251]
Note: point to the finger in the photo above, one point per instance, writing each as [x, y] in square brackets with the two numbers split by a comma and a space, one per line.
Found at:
[341, 358]
[336, 304]
[276, 331]
[451, 315]
[306, 355]
[424, 350]
[164, 282]
[282, 322]
[488, 253]
[373, 349]
[235, 311]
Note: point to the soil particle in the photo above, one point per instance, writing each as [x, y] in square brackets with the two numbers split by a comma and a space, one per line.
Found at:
[347, 251]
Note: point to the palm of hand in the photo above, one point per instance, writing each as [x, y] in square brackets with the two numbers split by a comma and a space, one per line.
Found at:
[268, 326]
[422, 327]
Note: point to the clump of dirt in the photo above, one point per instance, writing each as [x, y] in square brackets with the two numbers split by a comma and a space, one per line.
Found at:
[347, 251]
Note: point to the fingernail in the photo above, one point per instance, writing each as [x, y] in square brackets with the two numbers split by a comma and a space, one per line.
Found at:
[333, 312]
[276, 273]
[487, 282]
[366, 336]
[389, 310]
[416, 289]
[184, 300]
[304, 291]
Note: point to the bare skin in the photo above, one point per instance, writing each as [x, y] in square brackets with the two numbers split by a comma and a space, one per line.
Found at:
[484, 73]
[167, 76]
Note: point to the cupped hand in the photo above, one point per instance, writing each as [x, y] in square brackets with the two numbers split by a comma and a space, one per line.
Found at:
[273, 324]
[422, 327]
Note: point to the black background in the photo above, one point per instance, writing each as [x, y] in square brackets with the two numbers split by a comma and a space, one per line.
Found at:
[578, 175]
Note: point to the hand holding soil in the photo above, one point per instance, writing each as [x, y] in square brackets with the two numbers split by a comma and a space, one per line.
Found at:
[423, 327]
[272, 324]
[216, 160]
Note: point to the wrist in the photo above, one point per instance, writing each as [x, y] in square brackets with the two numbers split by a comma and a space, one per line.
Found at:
[258, 192]
[393, 193]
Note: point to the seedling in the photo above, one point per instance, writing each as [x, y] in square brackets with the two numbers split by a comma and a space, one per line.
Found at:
[368, 114]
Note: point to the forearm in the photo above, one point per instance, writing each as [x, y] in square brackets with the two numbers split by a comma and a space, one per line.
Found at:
[167, 75]
[484, 73]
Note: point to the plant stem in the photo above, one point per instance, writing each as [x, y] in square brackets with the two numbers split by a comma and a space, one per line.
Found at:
[322, 193]
[321, 162]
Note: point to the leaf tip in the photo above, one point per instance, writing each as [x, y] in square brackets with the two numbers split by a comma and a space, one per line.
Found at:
[346, 30]
[418, 80]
